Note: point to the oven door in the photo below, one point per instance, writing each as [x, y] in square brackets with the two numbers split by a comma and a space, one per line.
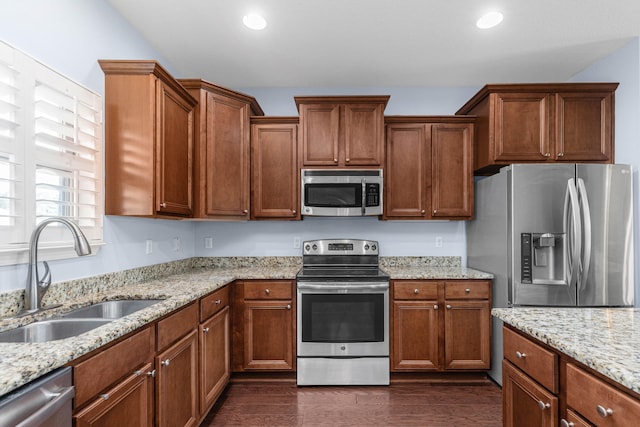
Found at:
[343, 319]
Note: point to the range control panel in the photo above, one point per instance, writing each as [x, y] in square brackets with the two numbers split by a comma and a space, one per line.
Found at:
[340, 247]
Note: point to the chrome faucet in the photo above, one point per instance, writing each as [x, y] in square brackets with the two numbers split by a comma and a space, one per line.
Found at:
[37, 286]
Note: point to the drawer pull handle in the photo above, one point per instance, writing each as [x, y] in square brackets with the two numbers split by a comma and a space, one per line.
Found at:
[416, 291]
[205, 330]
[468, 290]
[435, 306]
[165, 362]
[543, 405]
[138, 373]
[105, 396]
[448, 307]
[163, 205]
[267, 291]
[288, 306]
[565, 423]
[151, 373]
[218, 301]
[604, 412]
[520, 355]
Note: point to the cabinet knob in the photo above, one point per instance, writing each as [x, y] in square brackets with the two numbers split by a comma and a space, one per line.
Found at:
[105, 396]
[165, 362]
[520, 355]
[245, 211]
[604, 412]
[565, 423]
[468, 291]
[560, 154]
[435, 211]
[547, 154]
[288, 306]
[294, 212]
[267, 291]
[151, 373]
[335, 160]
[416, 291]
[423, 211]
[205, 330]
[218, 301]
[448, 307]
[347, 160]
[435, 306]
[163, 205]
[543, 405]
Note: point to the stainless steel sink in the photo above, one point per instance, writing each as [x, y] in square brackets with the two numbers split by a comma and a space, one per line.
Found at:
[51, 330]
[111, 309]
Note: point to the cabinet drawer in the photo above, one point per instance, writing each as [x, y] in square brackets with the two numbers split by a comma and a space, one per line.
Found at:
[177, 325]
[268, 290]
[537, 362]
[467, 290]
[105, 368]
[213, 303]
[599, 402]
[418, 290]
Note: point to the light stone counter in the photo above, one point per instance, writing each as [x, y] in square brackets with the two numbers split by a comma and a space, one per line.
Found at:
[177, 283]
[605, 339]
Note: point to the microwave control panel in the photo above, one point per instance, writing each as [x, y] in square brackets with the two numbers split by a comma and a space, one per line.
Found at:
[373, 195]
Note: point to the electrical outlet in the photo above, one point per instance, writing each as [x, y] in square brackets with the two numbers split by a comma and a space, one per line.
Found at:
[208, 242]
[176, 244]
[148, 246]
[296, 242]
[438, 241]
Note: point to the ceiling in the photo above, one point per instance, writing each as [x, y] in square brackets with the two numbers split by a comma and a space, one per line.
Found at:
[338, 43]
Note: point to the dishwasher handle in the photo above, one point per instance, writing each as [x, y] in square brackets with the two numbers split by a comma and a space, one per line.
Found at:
[59, 399]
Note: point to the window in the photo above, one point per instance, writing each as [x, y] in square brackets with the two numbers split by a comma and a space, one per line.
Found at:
[50, 156]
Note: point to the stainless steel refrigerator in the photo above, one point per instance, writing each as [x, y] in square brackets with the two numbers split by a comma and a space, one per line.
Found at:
[554, 235]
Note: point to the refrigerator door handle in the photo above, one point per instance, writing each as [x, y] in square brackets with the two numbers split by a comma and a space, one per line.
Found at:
[572, 227]
[586, 218]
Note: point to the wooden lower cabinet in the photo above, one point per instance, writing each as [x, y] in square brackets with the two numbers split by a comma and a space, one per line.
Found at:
[436, 328]
[525, 403]
[215, 360]
[264, 326]
[128, 404]
[177, 380]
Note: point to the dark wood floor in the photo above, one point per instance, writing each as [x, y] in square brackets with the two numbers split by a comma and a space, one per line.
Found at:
[285, 404]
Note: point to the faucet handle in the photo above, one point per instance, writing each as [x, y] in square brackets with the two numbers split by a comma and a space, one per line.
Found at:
[46, 278]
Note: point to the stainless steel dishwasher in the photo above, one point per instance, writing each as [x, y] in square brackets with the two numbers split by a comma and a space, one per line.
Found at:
[42, 402]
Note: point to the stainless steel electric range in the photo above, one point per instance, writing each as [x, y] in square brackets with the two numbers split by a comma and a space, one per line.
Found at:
[343, 314]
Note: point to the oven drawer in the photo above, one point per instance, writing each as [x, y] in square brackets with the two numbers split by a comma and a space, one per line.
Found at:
[277, 289]
[415, 290]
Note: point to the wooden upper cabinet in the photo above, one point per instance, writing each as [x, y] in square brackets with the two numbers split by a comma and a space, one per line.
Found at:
[275, 182]
[559, 122]
[429, 167]
[342, 131]
[222, 150]
[149, 126]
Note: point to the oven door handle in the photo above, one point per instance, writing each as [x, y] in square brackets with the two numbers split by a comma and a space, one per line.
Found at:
[348, 286]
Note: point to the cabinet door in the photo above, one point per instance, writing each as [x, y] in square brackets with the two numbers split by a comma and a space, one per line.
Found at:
[363, 134]
[128, 404]
[319, 129]
[274, 163]
[525, 403]
[584, 126]
[174, 153]
[408, 171]
[415, 335]
[215, 358]
[227, 158]
[177, 379]
[452, 170]
[467, 326]
[268, 335]
[521, 125]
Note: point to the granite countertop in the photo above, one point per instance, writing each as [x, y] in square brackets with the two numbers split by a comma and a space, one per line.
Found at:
[605, 339]
[177, 284]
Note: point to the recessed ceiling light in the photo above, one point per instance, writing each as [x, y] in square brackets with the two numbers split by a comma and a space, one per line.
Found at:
[489, 20]
[254, 21]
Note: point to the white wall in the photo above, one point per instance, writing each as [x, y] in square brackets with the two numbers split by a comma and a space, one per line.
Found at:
[623, 66]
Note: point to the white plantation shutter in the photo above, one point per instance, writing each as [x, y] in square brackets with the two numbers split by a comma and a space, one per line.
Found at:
[50, 153]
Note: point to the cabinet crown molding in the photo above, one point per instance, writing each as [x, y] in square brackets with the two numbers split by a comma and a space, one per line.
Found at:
[359, 99]
[256, 110]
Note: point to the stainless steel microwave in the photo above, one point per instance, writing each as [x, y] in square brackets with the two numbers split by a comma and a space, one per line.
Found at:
[341, 192]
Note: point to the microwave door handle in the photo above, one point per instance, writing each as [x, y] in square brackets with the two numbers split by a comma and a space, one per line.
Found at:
[573, 244]
[364, 196]
[586, 237]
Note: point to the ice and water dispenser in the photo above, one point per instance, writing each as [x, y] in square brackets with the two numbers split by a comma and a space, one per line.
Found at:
[542, 258]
